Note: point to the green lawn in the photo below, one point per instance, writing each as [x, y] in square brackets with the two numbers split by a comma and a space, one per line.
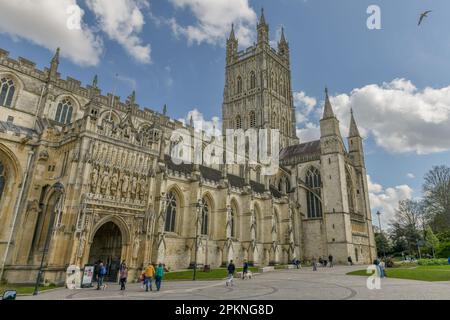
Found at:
[23, 289]
[215, 274]
[422, 273]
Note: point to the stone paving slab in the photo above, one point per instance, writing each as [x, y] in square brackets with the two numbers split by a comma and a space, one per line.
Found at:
[303, 284]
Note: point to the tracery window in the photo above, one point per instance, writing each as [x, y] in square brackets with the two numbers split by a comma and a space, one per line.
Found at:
[7, 89]
[171, 212]
[2, 179]
[64, 112]
[252, 80]
[239, 85]
[205, 218]
[350, 193]
[238, 122]
[252, 117]
[314, 184]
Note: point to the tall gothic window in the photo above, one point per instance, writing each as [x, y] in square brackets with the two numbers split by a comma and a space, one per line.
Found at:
[258, 174]
[64, 112]
[2, 179]
[233, 218]
[239, 85]
[350, 193]
[252, 118]
[171, 212]
[238, 122]
[7, 90]
[274, 120]
[283, 124]
[252, 80]
[314, 183]
[205, 218]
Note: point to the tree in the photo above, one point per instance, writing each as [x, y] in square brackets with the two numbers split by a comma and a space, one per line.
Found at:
[382, 243]
[407, 223]
[436, 189]
[431, 239]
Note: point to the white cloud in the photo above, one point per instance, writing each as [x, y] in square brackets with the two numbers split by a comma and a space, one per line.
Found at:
[214, 19]
[398, 116]
[209, 126]
[305, 109]
[386, 200]
[411, 176]
[44, 22]
[122, 21]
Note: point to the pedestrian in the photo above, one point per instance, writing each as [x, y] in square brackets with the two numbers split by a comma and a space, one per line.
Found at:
[321, 261]
[298, 264]
[101, 273]
[314, 264]
[382, 265]
[325, 262]
[159, 275]
[148, 274]
[350, 261]
[231, 268]
[330, 258]
[245, 269]
[123, 275]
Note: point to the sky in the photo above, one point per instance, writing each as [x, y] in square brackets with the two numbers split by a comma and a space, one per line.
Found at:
[396, 78]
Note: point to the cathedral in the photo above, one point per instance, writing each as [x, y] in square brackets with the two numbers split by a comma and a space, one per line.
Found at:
[86, 177]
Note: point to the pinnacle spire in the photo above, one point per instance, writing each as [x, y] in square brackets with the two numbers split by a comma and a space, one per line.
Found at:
[262, 19]
[328, 110]
[95, 81]
[354, 131]
[56, 56]
[283, 38]
[232, 36]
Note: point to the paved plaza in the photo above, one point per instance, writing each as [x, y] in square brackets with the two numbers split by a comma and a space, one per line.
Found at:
[325, 284]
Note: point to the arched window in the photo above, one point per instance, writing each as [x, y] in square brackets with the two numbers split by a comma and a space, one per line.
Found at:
[7, 90]
[350, 193]
[274, 120]
[205, 218]
[2, 179]
[283, 124]
[64, 112]
[171, 212]
[233, 219]
[258, 174]
[239, 85]
[252, 119]
[314, 183]
[238, 122]
[252, 80]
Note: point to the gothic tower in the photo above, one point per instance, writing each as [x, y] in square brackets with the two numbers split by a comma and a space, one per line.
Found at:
[258, 90]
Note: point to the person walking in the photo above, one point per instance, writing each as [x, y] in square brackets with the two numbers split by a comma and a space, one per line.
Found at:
[101, 275]
[330, 258]
[148, 274]
[123, 275]
[245, 269]
[159, 275]
[231, 269]
[314, 264]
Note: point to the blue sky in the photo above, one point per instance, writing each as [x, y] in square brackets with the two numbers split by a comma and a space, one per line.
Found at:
[330, 46]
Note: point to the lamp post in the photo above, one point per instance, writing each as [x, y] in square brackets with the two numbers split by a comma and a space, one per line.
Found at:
[381, 233]
[58, 188]
[199, 211]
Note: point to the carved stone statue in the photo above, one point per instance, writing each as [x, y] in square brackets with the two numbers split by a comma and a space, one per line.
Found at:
[142, 189]
[125, 186]
[94, 180]
[81, 245]
[136, 246]
[133, 187]
[105, 183]
[114, 184]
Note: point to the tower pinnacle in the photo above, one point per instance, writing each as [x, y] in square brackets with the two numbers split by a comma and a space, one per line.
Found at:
[354, 131]
[328, 110]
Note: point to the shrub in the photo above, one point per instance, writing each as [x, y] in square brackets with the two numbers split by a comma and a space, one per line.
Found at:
[432, 262]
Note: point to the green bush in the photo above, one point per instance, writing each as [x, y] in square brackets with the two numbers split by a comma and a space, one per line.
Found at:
[432, 262]
[443, 251]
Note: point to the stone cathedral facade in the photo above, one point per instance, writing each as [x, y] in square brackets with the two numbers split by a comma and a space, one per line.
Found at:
[86, 177]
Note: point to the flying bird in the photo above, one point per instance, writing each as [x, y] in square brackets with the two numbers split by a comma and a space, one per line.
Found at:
[423, 16]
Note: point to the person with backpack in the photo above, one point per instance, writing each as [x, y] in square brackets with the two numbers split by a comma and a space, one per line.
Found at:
[148, 274]
[159, 274]
[330, 258]
[123, 275]
[245, 269]
[231, 269]
[101, 275]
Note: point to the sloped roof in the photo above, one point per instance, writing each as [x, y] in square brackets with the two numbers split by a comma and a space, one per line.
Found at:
[303, 149]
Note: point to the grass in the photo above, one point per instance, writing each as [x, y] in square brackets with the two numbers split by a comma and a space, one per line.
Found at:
[422, 273]
[215, 274]
[24, 289]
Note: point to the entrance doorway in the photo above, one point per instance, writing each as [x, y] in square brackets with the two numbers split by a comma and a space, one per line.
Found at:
[107, 247]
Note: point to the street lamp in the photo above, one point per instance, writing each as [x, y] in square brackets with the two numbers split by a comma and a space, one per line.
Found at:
[59, 188]
[199, 211]
[381, 233]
